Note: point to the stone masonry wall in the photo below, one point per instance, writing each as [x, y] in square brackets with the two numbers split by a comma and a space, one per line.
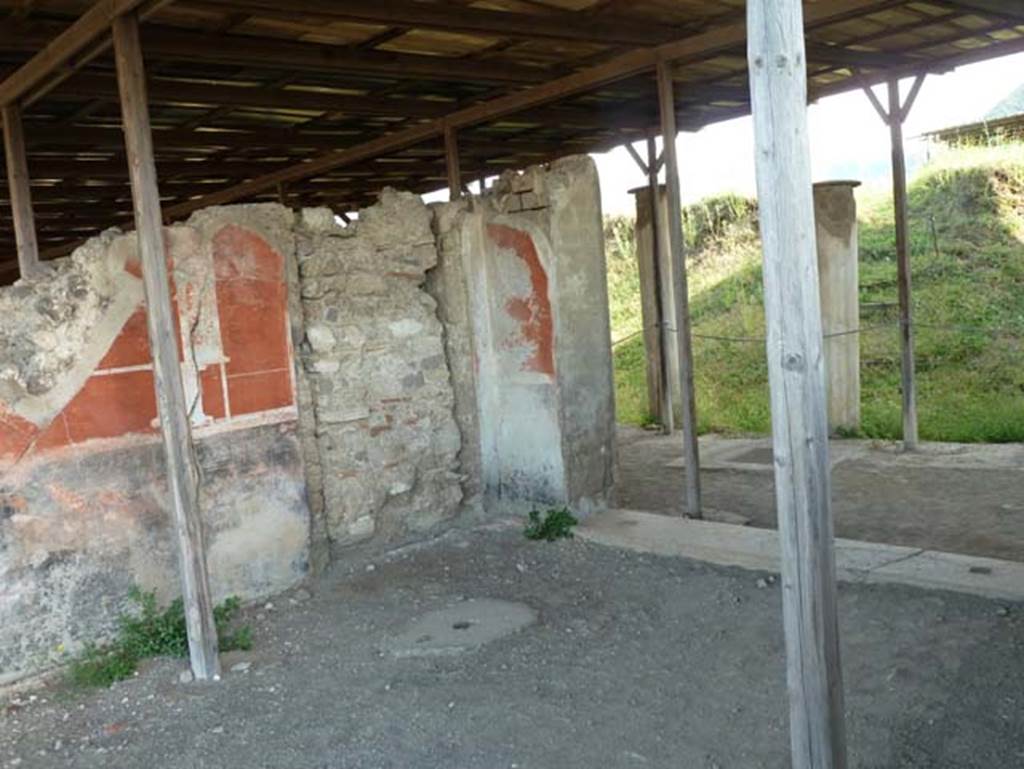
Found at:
[379, 380]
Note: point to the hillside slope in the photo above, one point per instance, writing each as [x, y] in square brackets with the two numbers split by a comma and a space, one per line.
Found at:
[967, 241]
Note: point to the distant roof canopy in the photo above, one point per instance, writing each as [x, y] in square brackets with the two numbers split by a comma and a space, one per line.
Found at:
[1004, 122]
[241, 89]
[1006, 129]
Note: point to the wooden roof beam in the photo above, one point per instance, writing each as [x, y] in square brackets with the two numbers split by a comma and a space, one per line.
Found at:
[560, 25]
[66, 49]
[198, 93]
[172, 43]
[999, 9]
[187, 92]
[835, 54]
[115, 170]
[71, 139]
[167, 42]
[695, 47]
[90, 26]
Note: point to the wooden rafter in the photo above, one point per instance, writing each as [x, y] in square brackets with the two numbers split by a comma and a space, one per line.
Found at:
[164, 42]
[604, 30]
[233, 84]
[717, 40]
[93, 24]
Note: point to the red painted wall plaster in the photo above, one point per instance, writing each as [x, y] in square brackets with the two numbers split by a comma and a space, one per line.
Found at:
[533, 311]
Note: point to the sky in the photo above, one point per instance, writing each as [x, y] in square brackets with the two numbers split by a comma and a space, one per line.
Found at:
[848, 138]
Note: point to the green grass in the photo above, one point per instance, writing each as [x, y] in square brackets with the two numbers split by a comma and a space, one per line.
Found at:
[967, 253]
[149, 631]
[556, 524]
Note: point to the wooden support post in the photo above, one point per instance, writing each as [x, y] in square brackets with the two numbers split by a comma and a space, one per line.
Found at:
[637, 159]
[664, 330]
[451, 153]
[778, 84]
[182, 473]
[20, 192]
[677, 258]
[899, 195]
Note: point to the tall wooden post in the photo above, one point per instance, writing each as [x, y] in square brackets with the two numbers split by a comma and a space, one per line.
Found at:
[677, 257]
[897, 115]
[451, 154]
[894, 117]
[20, 192]
[660, 286]
[778, 86]
[182, 472]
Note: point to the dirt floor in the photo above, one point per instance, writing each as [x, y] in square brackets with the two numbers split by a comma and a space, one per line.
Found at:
[630, 661]
[954, 499]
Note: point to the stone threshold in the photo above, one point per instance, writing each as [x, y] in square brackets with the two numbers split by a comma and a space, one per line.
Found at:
[758, 550]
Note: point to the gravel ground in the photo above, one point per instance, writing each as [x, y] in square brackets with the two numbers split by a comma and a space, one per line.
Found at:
[634, 661]
[976, 511]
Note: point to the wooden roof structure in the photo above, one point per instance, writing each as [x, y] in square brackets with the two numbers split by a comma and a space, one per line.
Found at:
[323, 102]
[1004, 129]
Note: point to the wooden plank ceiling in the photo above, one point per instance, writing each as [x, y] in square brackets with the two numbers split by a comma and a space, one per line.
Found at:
[240, 88]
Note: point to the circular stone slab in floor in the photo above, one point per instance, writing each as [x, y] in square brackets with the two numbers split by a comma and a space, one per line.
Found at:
[461, 627]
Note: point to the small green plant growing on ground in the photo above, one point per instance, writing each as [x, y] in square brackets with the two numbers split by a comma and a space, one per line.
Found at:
[556, 524]
[151, 632]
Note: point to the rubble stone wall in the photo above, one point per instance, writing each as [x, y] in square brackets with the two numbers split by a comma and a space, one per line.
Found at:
[375, 360]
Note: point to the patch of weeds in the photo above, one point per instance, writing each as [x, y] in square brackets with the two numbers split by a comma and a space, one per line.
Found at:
[101, 666]
[556, 524]
[150, 631]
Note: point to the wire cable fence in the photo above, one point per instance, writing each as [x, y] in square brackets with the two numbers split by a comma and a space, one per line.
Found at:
[963, 328]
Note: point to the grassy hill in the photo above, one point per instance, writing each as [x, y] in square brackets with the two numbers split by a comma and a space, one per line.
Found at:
[967, 243]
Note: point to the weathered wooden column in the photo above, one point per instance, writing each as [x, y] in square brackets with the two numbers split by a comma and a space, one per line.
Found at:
[899, 195]
[656, 300]
[655, 303]
[20, 192]
[894, 117]
[778, 85]
[451, 154]
[182, 473]
[684, 340]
